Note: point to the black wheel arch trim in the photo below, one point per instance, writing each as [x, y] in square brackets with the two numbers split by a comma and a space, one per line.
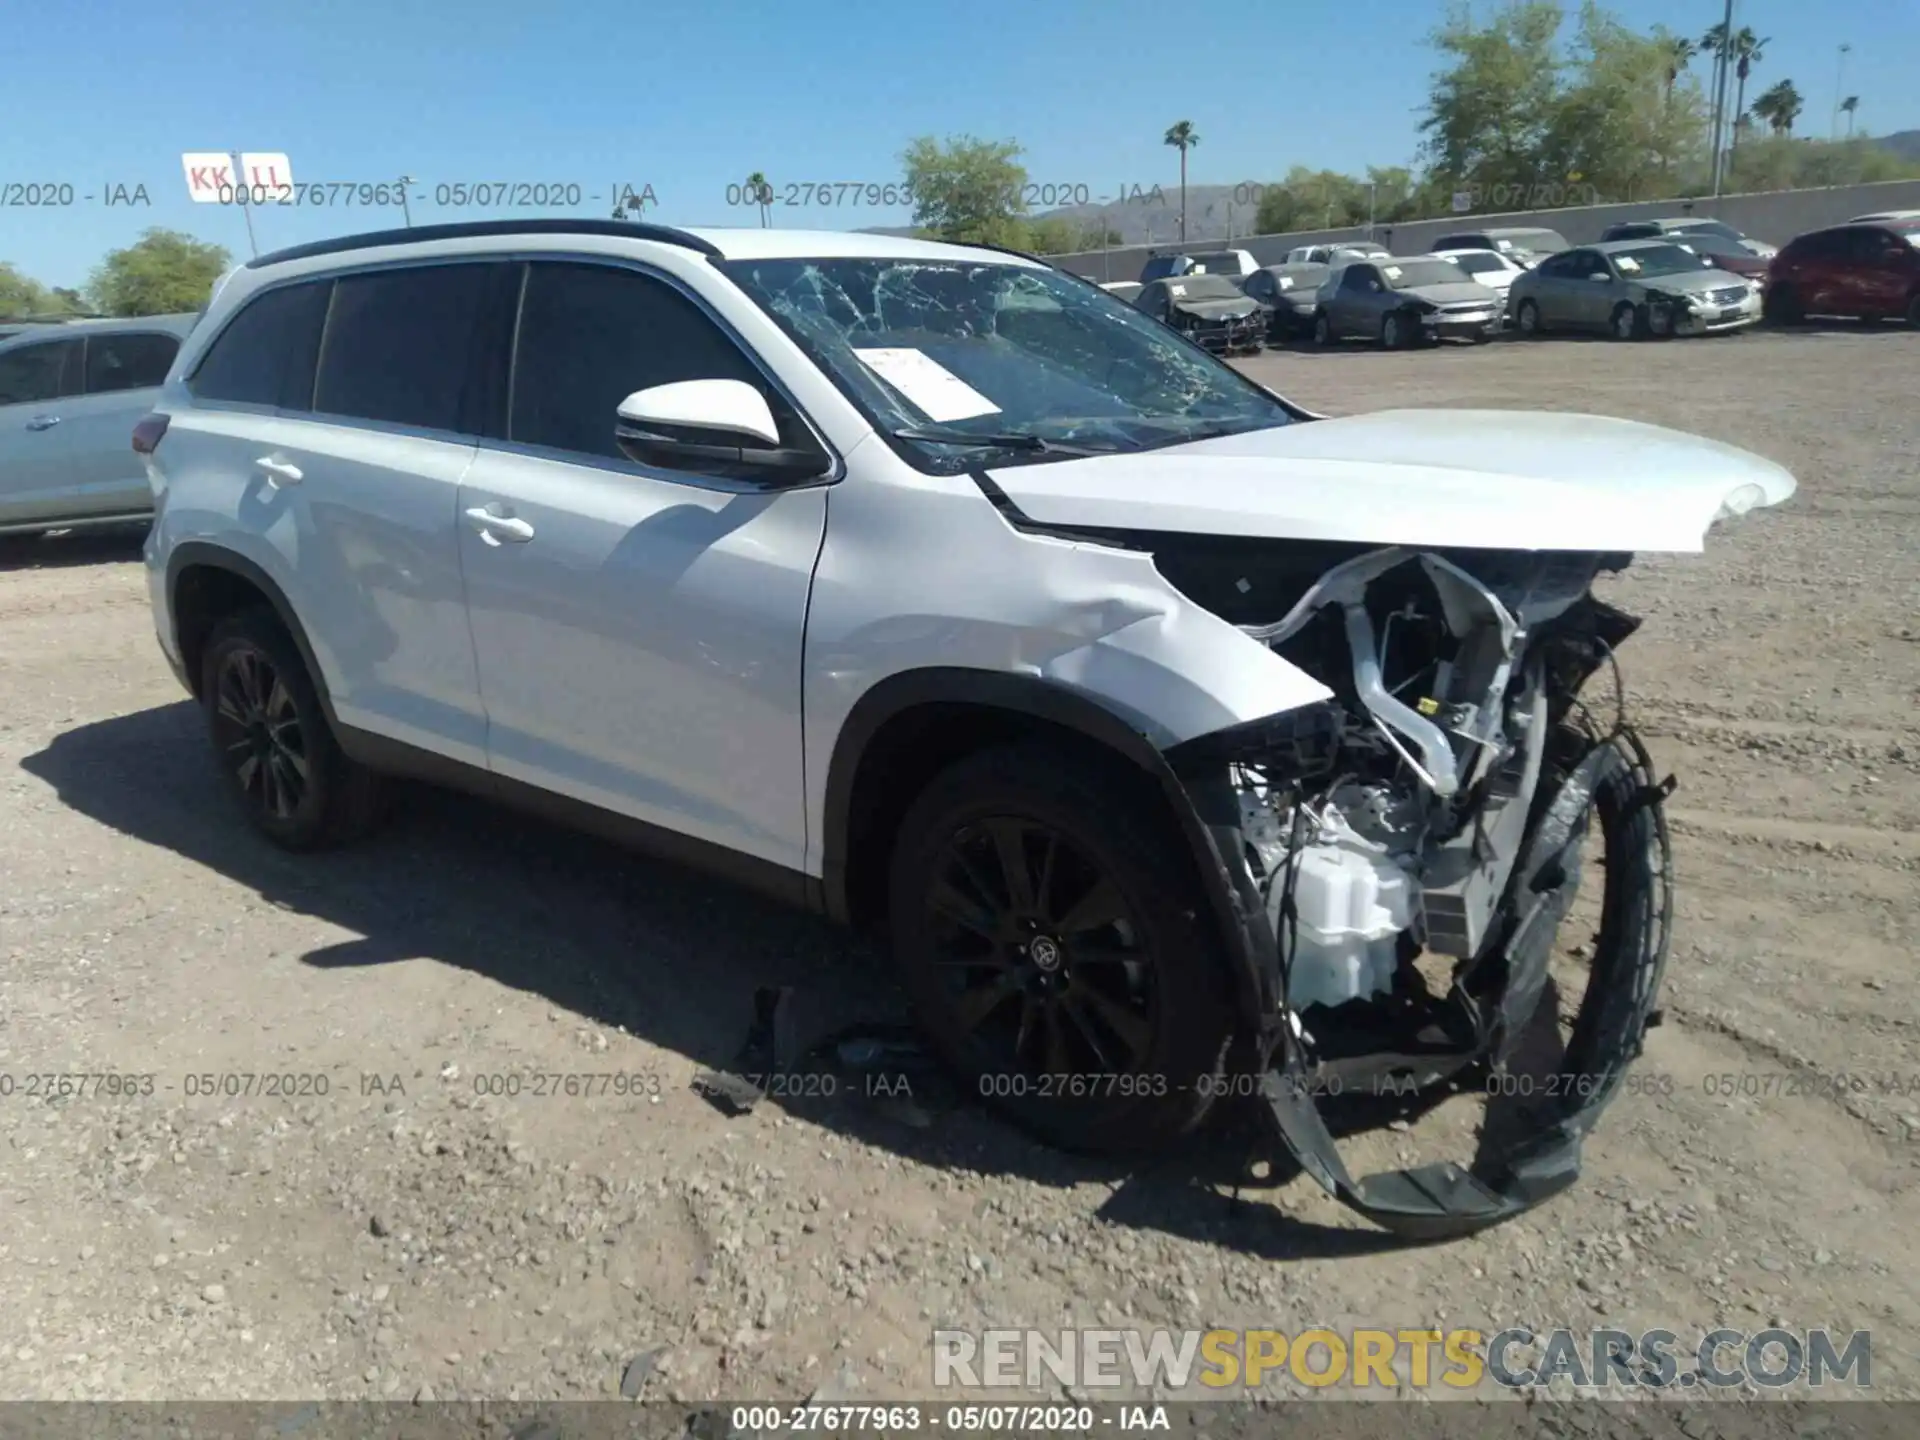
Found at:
[192, 554]
[1205, 810]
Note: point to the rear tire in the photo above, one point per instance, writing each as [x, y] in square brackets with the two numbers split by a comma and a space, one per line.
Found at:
[1054, 949]
[1913, 310]
[271, 738]
[1628, 322]
[1782, 305]
[1393, 332]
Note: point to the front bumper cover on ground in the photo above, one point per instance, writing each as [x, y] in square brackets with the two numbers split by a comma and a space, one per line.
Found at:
[1613, 780]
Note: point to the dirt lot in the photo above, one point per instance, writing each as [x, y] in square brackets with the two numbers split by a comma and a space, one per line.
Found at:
[403, 1235]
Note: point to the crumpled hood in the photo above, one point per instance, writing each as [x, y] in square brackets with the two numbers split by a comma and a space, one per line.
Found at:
[1453, 293]
[1221, 309]
[1497, 479]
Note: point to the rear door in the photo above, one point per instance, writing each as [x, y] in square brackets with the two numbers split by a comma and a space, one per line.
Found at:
[37, 383]
[639, 628]
[338, 409]
[123, 371]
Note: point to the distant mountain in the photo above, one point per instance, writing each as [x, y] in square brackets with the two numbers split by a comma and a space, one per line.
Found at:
[1151, 215]
[1904, 143]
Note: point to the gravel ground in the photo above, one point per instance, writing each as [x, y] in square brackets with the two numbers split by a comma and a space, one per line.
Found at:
[403, 1235]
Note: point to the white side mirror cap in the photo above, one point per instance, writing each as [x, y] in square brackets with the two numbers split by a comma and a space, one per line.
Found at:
[727, 407]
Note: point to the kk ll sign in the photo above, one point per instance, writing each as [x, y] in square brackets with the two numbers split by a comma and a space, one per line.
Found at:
[262, 177]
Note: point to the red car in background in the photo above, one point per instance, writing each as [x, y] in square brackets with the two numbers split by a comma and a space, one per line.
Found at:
[1868, 271]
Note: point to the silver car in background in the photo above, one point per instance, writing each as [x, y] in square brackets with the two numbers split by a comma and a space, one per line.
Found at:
[1290, 294]
[69, 398]
[1632, 289]
[1405, 302]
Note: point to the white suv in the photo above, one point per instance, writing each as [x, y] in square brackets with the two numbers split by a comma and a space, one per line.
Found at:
[1161, 723]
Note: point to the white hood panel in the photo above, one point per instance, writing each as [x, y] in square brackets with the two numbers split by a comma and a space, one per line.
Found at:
[1492, 479]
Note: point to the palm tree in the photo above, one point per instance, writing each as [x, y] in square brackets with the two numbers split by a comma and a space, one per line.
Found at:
[1849, 105]
[1182, 136]
[1680, 53]
[1780, 106]
[757, 187]
[1747, 49]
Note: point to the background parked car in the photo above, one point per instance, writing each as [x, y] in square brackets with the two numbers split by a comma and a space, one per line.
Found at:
[1689, 226]
[1128, 290]
[1528, 245]
[1335, 253]
[1866, 271]
[1880, 217]
[1192, 262]
[1210, 310]
[1492, 268]
[1733, 256]
[1290, 294]
[1632, 289]
[1405, 302]
[70, 396]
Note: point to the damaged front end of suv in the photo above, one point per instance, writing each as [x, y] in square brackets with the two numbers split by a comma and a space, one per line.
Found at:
[1435, 813]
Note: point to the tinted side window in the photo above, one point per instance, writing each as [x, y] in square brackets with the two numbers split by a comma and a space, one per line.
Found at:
[400, 344]
[128, 362]
[591, 335]
[265, 355]
[39, 372]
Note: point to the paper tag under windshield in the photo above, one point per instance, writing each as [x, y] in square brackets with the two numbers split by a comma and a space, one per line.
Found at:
[934, 389]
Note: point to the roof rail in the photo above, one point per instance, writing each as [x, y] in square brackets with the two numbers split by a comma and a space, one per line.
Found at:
[476, 229]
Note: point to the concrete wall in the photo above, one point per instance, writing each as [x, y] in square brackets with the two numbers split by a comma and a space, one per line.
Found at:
[1776, 217]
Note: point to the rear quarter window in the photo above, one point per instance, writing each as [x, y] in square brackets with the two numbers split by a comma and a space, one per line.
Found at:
[265, 355]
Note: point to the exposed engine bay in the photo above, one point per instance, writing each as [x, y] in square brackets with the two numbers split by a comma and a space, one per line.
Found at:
[1413, 845]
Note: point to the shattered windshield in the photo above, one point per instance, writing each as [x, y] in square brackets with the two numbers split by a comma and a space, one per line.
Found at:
[1649, 261]
[1204, 287]
[1009, 353]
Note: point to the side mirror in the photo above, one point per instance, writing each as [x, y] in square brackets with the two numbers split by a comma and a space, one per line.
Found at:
[714, 426]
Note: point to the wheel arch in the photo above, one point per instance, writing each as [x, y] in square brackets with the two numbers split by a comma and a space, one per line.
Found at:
[206, 583]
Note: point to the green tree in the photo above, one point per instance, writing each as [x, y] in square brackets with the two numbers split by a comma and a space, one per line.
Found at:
[1487, 117]
[1780, 106]
[1678, 52]
[22, 294]
[161, 273]
[1616, 124]
[763, 195]
[1747, 48]
[1183, 137]
[968, 189]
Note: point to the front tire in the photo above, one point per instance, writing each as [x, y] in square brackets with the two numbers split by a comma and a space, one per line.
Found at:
[271, 738]
[1393, 332]
[1050, 939]
[1527, 318]
[1913, 310]
[1782, 305]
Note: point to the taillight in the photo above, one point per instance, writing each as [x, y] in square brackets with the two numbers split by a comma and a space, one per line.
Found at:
[146, 434]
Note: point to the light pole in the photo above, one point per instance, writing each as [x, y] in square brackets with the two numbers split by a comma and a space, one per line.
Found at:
[406, 213]
[1839, 87]
[1720, 98]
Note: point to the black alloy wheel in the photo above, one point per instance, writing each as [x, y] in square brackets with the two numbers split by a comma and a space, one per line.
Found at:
[256, 727]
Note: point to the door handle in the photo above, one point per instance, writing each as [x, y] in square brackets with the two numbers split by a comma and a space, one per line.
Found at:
[497, 529]
[43, 422]
[278, 472]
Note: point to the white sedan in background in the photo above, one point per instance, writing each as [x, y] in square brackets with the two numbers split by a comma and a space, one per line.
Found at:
[1491, 268]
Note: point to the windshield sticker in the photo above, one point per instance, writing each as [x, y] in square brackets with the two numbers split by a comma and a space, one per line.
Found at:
[1626, 263]
[1503, 244]
[932, 388]
[1176, 289]
[1286, 282]
[1393, 272]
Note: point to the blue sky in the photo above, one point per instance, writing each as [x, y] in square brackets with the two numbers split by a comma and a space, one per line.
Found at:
[691, 95]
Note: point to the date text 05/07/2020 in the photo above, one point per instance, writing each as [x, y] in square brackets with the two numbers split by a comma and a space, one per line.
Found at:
[1033, 195]
[446, 194]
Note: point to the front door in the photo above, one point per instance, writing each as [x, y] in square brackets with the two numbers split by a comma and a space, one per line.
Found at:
[639, 630]
[36, 455]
